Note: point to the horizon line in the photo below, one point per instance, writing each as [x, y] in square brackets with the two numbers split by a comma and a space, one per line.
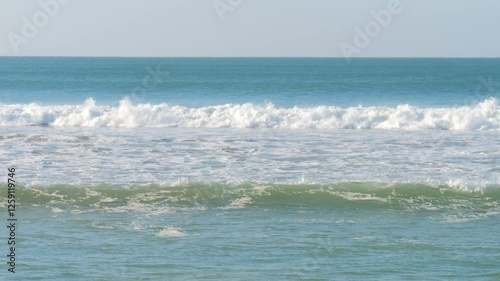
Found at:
[265, 57]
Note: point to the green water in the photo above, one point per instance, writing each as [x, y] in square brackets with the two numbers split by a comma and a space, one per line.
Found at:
[352, 231]
[251, 168]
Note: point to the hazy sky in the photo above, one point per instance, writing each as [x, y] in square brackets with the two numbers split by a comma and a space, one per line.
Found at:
[284, 28]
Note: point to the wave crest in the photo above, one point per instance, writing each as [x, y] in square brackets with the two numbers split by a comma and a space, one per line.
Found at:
[407, 196]
[480, 117]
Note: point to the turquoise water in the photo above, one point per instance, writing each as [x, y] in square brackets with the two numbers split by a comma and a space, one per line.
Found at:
[344, 232]
[252, 169]
[284, 82]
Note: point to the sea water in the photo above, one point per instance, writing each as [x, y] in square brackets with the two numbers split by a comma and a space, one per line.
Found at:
[252, 168]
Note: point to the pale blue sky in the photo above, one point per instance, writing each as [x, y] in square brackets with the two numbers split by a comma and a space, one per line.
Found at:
[284, 28]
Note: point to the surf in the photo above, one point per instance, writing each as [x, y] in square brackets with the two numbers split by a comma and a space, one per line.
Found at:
[484, 116]
[176, 196]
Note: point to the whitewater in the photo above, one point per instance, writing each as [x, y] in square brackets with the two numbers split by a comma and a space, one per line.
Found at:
[253, 169]
[479, 117]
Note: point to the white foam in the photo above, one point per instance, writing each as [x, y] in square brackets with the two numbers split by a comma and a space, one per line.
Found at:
[239, 203]
[57, 210]
[171, 232]
[483, 116]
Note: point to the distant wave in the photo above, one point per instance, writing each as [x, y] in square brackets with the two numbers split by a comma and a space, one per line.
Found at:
[484, 116]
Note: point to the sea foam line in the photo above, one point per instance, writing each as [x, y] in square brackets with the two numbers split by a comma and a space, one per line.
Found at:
[484, 116]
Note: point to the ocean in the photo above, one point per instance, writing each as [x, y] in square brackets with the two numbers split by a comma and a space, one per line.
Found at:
[250, 168]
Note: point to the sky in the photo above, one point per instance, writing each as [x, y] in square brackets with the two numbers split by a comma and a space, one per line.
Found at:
[250, 28]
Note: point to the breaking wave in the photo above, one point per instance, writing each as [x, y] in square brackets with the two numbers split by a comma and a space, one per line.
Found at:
[160, 199]
[484, 116]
